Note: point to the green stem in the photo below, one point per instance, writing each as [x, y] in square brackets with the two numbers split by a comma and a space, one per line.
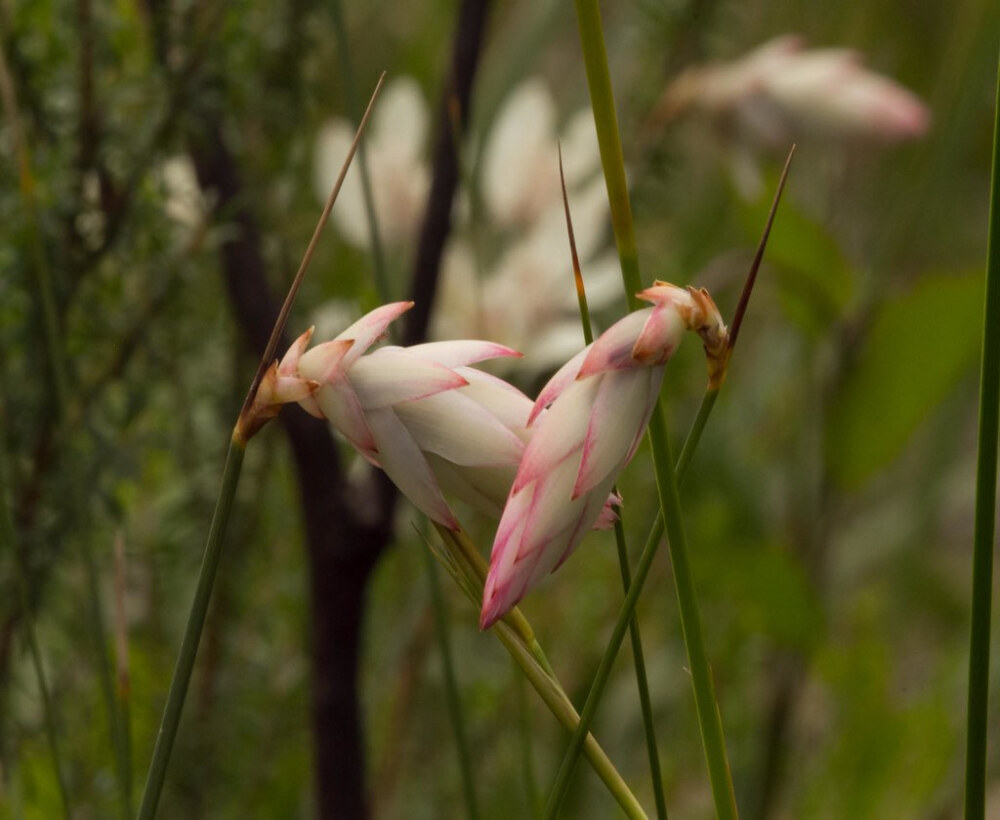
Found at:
[451, 686]
[20, 571]
[602, 100]
[642, 681]
[709, 719]
[528, 655]
[527, 759]
[561, 706]
[985, 515]
[625, 617]
[192, 633]
[612, 161]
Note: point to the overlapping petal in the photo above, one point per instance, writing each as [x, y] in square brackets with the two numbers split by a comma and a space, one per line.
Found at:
[587, 423]
[430, 421]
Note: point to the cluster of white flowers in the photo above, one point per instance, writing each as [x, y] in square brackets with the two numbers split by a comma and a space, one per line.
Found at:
[522, 196]
[435, 424]
[781, 93]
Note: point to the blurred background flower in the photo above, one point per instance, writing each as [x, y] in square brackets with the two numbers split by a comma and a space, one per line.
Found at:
[781, 93]
[506, 274]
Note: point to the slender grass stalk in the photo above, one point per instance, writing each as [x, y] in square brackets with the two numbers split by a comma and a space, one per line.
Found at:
[250, 420]
[602, 101]
[638, 655]
[475, 568]
[625, 616]
[531, 793]
[124, 688]
[192, 633]
[452, 698]
[381, 271]
[985, 515]
[528, 656]
[612, 161]
[562, 707]
[9, 537]
[656, 531]
[60, 380]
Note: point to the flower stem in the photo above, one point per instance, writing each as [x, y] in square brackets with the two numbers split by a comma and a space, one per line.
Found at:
[709, 719]
[192, 633]
[9, 537]
[612, 160]
[561, 706]
[451, 686]
[985, 515]
[602, 100]
[641, 679]
[625, 616]
[512, 632]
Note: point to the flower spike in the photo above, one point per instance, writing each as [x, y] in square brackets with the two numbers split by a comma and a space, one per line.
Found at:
[586, 425]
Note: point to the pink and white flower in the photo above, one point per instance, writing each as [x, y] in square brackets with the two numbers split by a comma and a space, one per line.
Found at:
[587, 423]
[433, 423]
[782, 91]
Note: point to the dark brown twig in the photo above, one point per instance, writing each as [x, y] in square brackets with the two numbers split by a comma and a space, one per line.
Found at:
[741, 306]
[467, 46]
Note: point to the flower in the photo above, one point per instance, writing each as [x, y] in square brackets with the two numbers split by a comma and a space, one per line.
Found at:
[523, 198]
[598, 405]
[433, 423]
[281, 384]
[782, 93]
[399, 177]
[519, 171]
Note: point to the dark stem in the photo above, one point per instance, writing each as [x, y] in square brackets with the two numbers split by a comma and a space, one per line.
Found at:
[457, 93]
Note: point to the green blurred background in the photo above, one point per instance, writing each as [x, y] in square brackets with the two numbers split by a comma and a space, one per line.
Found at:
[829, 508]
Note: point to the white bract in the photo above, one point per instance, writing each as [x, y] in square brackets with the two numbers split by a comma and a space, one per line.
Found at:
[525, 295]
[399, 177]
[599, 404]
[433, 423]
[781, 93]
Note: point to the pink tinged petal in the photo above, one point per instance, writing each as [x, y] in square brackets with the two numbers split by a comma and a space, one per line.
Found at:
[339, 403]
[655, 376]
[460, 430]
[311, 406]
[290, 361]
[500, 593]
[462, 352]
[589, 516]
[292, 389]
[552, 510]
[504, 401]
[558, 433]
[325, 361]
[608, 516]
[562, 379]
[370, 328]
[613, 349]
[391, 375]
[660, 336]
[620, 408]
[403, 462]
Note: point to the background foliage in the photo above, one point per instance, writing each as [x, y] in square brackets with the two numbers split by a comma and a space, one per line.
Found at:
[829, 507]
